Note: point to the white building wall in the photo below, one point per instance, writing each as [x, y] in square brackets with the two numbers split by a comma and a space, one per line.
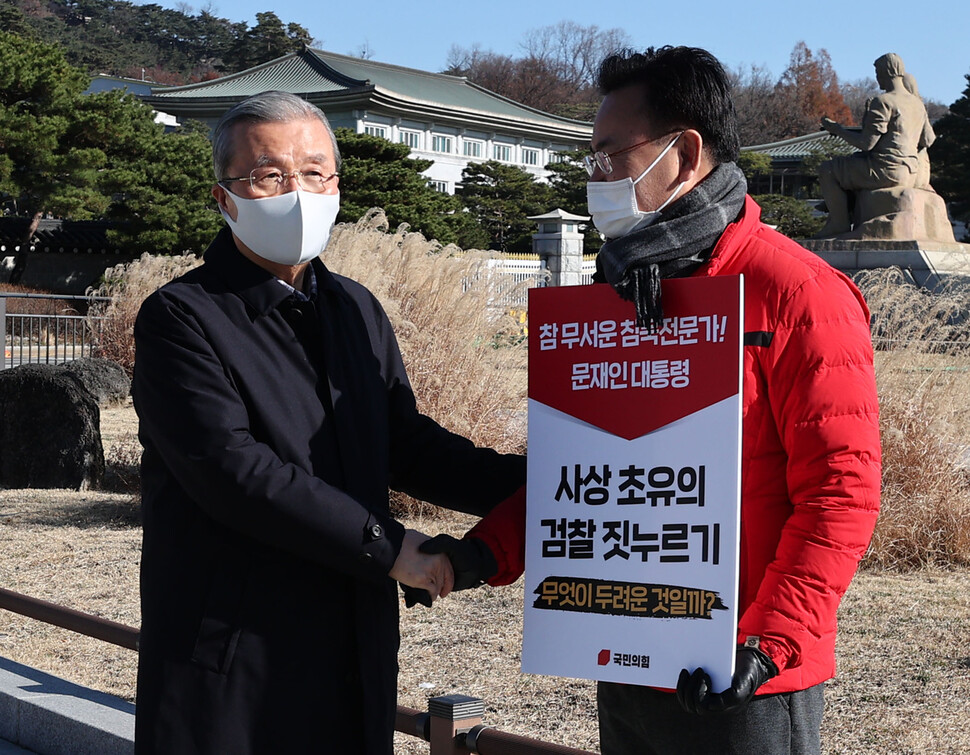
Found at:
[446, 147]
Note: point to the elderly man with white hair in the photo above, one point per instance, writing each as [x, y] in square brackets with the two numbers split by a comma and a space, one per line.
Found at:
[275, 414]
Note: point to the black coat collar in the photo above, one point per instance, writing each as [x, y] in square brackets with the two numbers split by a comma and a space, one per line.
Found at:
[258, 287]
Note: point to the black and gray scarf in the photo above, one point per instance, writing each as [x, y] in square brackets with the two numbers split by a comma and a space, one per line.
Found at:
[679, 242]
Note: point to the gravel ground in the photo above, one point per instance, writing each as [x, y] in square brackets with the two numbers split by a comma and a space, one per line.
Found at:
[904, 644]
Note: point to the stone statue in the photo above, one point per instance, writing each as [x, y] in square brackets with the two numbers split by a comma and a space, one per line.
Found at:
[893, 141]
[923, 156]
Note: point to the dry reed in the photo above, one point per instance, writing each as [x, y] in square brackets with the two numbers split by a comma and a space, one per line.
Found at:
[127, 286]
[923, 376]
[465, 364]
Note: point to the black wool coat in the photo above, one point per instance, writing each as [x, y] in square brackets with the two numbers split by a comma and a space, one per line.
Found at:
[272, 431]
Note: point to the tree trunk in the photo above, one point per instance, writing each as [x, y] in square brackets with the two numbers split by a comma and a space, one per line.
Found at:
[20, 261]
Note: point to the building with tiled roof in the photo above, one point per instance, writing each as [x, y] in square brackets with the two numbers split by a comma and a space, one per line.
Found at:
[788, 173]
[446, 119]
[67, 256]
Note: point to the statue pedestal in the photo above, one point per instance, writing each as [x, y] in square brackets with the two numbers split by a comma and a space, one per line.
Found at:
[900, 213]
[930, 264]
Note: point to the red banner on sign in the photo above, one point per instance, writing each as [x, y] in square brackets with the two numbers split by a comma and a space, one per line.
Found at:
[588, 359]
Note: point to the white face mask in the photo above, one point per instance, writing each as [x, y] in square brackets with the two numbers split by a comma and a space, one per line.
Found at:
[613, 204]
[288, 229]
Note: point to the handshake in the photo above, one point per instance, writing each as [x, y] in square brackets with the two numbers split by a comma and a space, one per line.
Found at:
[471, 561]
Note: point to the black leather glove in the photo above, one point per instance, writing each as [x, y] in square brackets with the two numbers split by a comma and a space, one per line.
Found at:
[471, 559]
[415, 595]
[752, 668]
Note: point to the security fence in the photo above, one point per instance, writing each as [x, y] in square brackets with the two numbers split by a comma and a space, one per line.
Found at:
[517, 273]
[46, 328]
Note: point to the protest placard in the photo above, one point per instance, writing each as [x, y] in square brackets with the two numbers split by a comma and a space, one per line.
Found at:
[633, 510]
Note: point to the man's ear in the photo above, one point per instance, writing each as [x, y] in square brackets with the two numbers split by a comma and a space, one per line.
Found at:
[694, 164]
[224, 198]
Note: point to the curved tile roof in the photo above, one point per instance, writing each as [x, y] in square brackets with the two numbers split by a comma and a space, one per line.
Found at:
[292, 73]
[57, 235]
[311, 71]
[436, 88]
[800, 147]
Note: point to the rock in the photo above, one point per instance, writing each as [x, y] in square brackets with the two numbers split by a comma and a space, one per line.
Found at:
[106, 380]
[50, 433]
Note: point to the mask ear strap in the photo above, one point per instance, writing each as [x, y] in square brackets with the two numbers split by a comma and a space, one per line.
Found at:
[659, 158]
[672, 196]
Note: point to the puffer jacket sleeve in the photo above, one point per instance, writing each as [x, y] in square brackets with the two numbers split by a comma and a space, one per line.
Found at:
[503, 531]
[821, 390]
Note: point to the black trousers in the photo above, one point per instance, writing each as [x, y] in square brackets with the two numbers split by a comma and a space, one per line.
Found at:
[644, 721]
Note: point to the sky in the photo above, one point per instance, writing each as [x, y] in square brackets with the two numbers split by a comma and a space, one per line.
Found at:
[932, 39]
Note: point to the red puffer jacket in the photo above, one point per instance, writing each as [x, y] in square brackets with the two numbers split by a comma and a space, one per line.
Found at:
[810, 472]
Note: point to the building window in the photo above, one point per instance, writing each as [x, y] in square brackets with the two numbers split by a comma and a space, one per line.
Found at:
[472, 148]
[556, 157]
[439, 186]
[441, 143]
[376, 131]
[530, 156]
[411, 138]
[502, 152]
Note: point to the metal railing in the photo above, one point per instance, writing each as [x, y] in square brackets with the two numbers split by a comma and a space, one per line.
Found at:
[48, 338]
[453, 724]
[513, 275]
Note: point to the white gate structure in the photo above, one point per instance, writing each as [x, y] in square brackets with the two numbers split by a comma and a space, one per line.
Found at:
[520, 272]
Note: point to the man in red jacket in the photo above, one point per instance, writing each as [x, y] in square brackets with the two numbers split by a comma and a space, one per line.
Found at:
[666, 193]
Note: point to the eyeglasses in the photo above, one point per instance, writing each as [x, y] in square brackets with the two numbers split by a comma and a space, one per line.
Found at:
[602, 160]
[266, 182]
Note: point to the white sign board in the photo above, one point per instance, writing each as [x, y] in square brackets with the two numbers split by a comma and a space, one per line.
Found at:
[633, 511]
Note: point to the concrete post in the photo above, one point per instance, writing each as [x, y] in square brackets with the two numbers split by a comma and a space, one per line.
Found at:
[559, 244]
[452, 715]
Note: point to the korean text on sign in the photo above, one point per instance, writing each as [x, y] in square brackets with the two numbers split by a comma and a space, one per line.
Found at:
[608, 334]
[626, 598]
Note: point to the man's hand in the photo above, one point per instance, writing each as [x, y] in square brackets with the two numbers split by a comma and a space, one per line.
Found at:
[421, 570]
[470, 558]
[752, 668]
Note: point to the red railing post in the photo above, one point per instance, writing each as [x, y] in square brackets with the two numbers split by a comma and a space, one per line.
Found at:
[452, 715]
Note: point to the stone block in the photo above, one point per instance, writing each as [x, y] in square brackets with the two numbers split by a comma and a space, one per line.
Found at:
[899, 213]
[51, 716]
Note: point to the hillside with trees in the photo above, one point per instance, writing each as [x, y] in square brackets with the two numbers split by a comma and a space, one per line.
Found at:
[120, 38]
[555, 73]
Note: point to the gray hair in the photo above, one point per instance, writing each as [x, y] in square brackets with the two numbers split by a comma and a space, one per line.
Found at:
[271, 106]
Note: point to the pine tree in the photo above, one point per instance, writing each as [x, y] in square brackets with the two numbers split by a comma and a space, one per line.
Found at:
[950, 156]
[41, 171]
[502, 197]
[379, 173]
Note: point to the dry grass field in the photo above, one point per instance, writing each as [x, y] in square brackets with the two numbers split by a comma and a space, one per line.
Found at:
[904, 646]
